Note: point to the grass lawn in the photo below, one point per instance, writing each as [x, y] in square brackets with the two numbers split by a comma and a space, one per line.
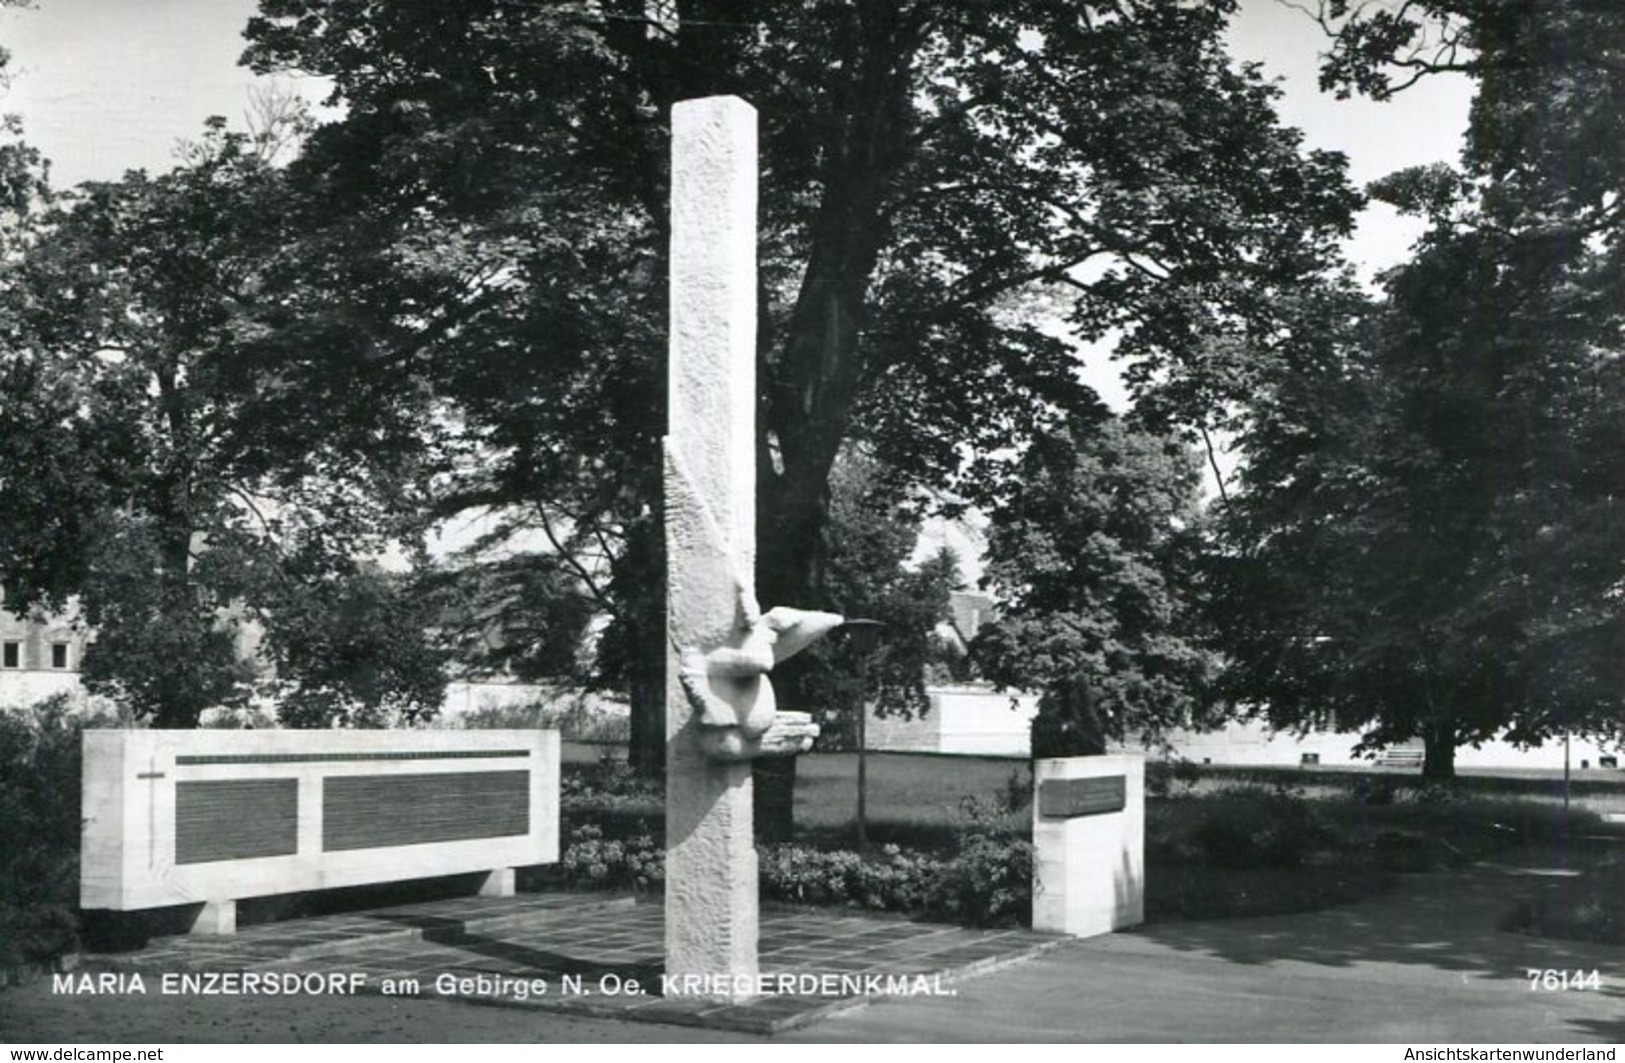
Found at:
[912, 800]
[1339, 846]
[1216, 847]
[1191, 891]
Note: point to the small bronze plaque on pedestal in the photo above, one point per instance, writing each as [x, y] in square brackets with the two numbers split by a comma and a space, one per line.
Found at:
[1068, 798]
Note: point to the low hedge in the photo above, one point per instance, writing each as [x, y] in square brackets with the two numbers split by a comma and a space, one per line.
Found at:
[1585, 908]
[989, 882]
[986, 881]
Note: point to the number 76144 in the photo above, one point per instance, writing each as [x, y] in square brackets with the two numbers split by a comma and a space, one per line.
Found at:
[1553, 980]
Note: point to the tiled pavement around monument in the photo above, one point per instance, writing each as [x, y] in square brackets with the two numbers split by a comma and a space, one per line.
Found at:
[601, 943]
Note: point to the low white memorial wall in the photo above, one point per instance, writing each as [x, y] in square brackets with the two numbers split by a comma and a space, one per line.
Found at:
[178, 817]
[1089, 844]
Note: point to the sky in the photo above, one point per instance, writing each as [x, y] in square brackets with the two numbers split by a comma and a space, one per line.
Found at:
[1423, 124]
[104, 86]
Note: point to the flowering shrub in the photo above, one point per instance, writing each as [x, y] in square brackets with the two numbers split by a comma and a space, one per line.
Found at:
[990, 880]
[608, 785]
[596, 862]
[813, 876]
[987, 880]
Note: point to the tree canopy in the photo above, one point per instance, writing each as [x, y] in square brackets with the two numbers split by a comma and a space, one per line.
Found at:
[488, 226]
[165, 468]
[1093, 558]
[1439, 557]
[1426, 543]
[873, 538]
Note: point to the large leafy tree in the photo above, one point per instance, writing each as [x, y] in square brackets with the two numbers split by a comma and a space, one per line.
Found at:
[1092, 554]
[1427, 540]
[1437, 556]
[168, 465]
[495, 204]
[1542, 167]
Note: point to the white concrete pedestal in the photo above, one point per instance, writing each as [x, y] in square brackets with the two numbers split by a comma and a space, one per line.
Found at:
[498, 883]
[217, 917]
[1089, 857]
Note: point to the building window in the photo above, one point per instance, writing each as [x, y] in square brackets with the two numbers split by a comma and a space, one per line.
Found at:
[59, 655]
[12, 655]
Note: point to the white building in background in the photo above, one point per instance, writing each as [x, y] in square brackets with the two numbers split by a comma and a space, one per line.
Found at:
[970, 718]
[963, 717]
[973, 718]
[40, 656]
[1250, 743]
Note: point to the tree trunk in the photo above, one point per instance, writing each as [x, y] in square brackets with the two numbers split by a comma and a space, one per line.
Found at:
[810, 384]
[774, 809]
[1439, 750]
[647, 749]
[775, 777]
[182, 705]
[183, 702]
[643, 568]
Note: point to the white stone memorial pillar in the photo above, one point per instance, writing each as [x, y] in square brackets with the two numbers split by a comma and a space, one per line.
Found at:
[1088, 844]
[711, 891]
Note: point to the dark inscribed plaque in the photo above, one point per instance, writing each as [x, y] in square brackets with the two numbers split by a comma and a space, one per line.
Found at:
[1066, 798]
[236, 819]
[375, 811]
[339, 758]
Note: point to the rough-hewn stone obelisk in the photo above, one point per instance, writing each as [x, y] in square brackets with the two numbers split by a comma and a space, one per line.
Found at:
[711, 892]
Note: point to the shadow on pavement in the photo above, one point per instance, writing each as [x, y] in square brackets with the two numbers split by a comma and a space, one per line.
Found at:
[1443, 920]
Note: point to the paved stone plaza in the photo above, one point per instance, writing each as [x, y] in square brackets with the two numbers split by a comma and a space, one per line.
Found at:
[604, 942]
[1426, 962]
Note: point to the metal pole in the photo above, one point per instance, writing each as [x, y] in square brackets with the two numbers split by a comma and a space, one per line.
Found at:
[863, 753]
[1565, 775]
[862, 637]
